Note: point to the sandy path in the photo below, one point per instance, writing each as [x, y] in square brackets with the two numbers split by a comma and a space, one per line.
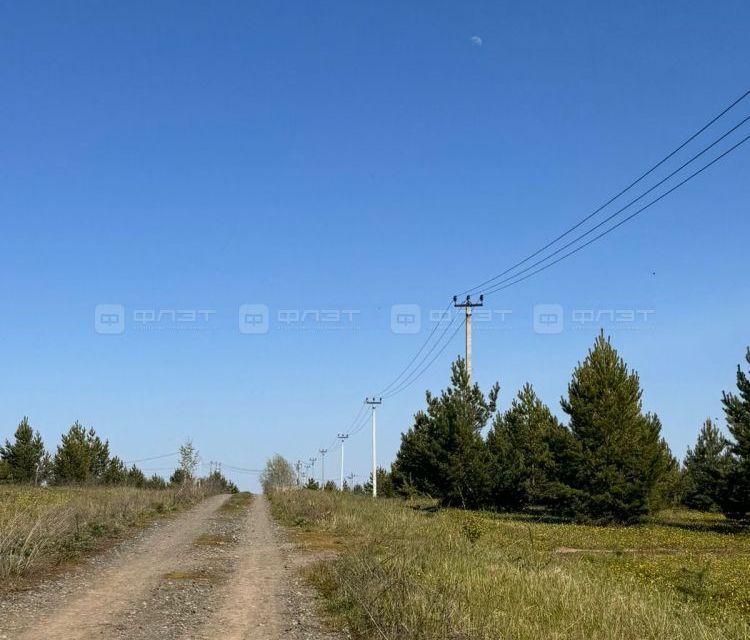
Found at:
[86, 603]
[253, 605]
[229, 574]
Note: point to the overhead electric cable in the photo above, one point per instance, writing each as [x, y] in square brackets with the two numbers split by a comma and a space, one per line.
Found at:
[424, 358]
[416, 355]
[622, 209]
[362, 424]
[429, 364]
[612, 199]
[164, 455]
[414, 368]
[623, 221]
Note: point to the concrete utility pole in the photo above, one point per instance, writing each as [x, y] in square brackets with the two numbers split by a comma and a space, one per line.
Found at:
[468, 305]
[350, 478]
[312, 467]
[298, 466]
[374, 402]
[342, 437]
[322, 467]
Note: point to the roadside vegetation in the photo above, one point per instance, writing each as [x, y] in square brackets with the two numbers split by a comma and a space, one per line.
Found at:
[609, 464]
[56, 507]
[412, 570]
[516, 524]
[41, 528]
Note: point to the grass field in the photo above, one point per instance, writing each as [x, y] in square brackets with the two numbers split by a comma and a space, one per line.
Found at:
[43, 527]
[404, 572]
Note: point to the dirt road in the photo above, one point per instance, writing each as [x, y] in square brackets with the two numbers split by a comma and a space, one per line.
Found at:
[208, 573]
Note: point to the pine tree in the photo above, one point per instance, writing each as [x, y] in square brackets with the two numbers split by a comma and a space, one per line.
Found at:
[668, 489]
[178, 477]
[136, 477]
[156, 482]
[619, 448]
[385, 484]
[521, 443]
[25, 456]
[443, 454]
[116, 472]
[706, 468]
[81, 457]
[736, 500]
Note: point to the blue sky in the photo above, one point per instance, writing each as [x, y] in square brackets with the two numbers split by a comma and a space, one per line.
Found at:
[345, 157]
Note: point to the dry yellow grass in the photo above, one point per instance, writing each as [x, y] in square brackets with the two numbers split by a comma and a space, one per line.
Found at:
[42, 527]
[409, 574]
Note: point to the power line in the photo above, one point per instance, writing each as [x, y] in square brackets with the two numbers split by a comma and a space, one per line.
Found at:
[360, 413]
[362, 424]
[623, 221]
[627, 206]
[395, 387]
[412, 371]
[385, 389]
[241, 469]
[417, 373]
[611, 200]
[423, 359]
[412, 377]
[429, 364]
[164, 455]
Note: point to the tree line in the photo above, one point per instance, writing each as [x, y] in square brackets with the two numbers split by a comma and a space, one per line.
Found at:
[608, 463]
[83, 458]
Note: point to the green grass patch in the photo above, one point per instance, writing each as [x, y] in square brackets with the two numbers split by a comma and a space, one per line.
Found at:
[237, 503]
[197, 575]
[213, 540]
[421, 573]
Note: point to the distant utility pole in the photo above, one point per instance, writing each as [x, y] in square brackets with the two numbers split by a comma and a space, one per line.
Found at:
[322, 466]
[374, 402]
[342, 437]
[312, 467]
[351, 477]
[468, 305]
[298, 466]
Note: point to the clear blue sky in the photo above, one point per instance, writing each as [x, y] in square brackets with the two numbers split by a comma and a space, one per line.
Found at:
[351, 156]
